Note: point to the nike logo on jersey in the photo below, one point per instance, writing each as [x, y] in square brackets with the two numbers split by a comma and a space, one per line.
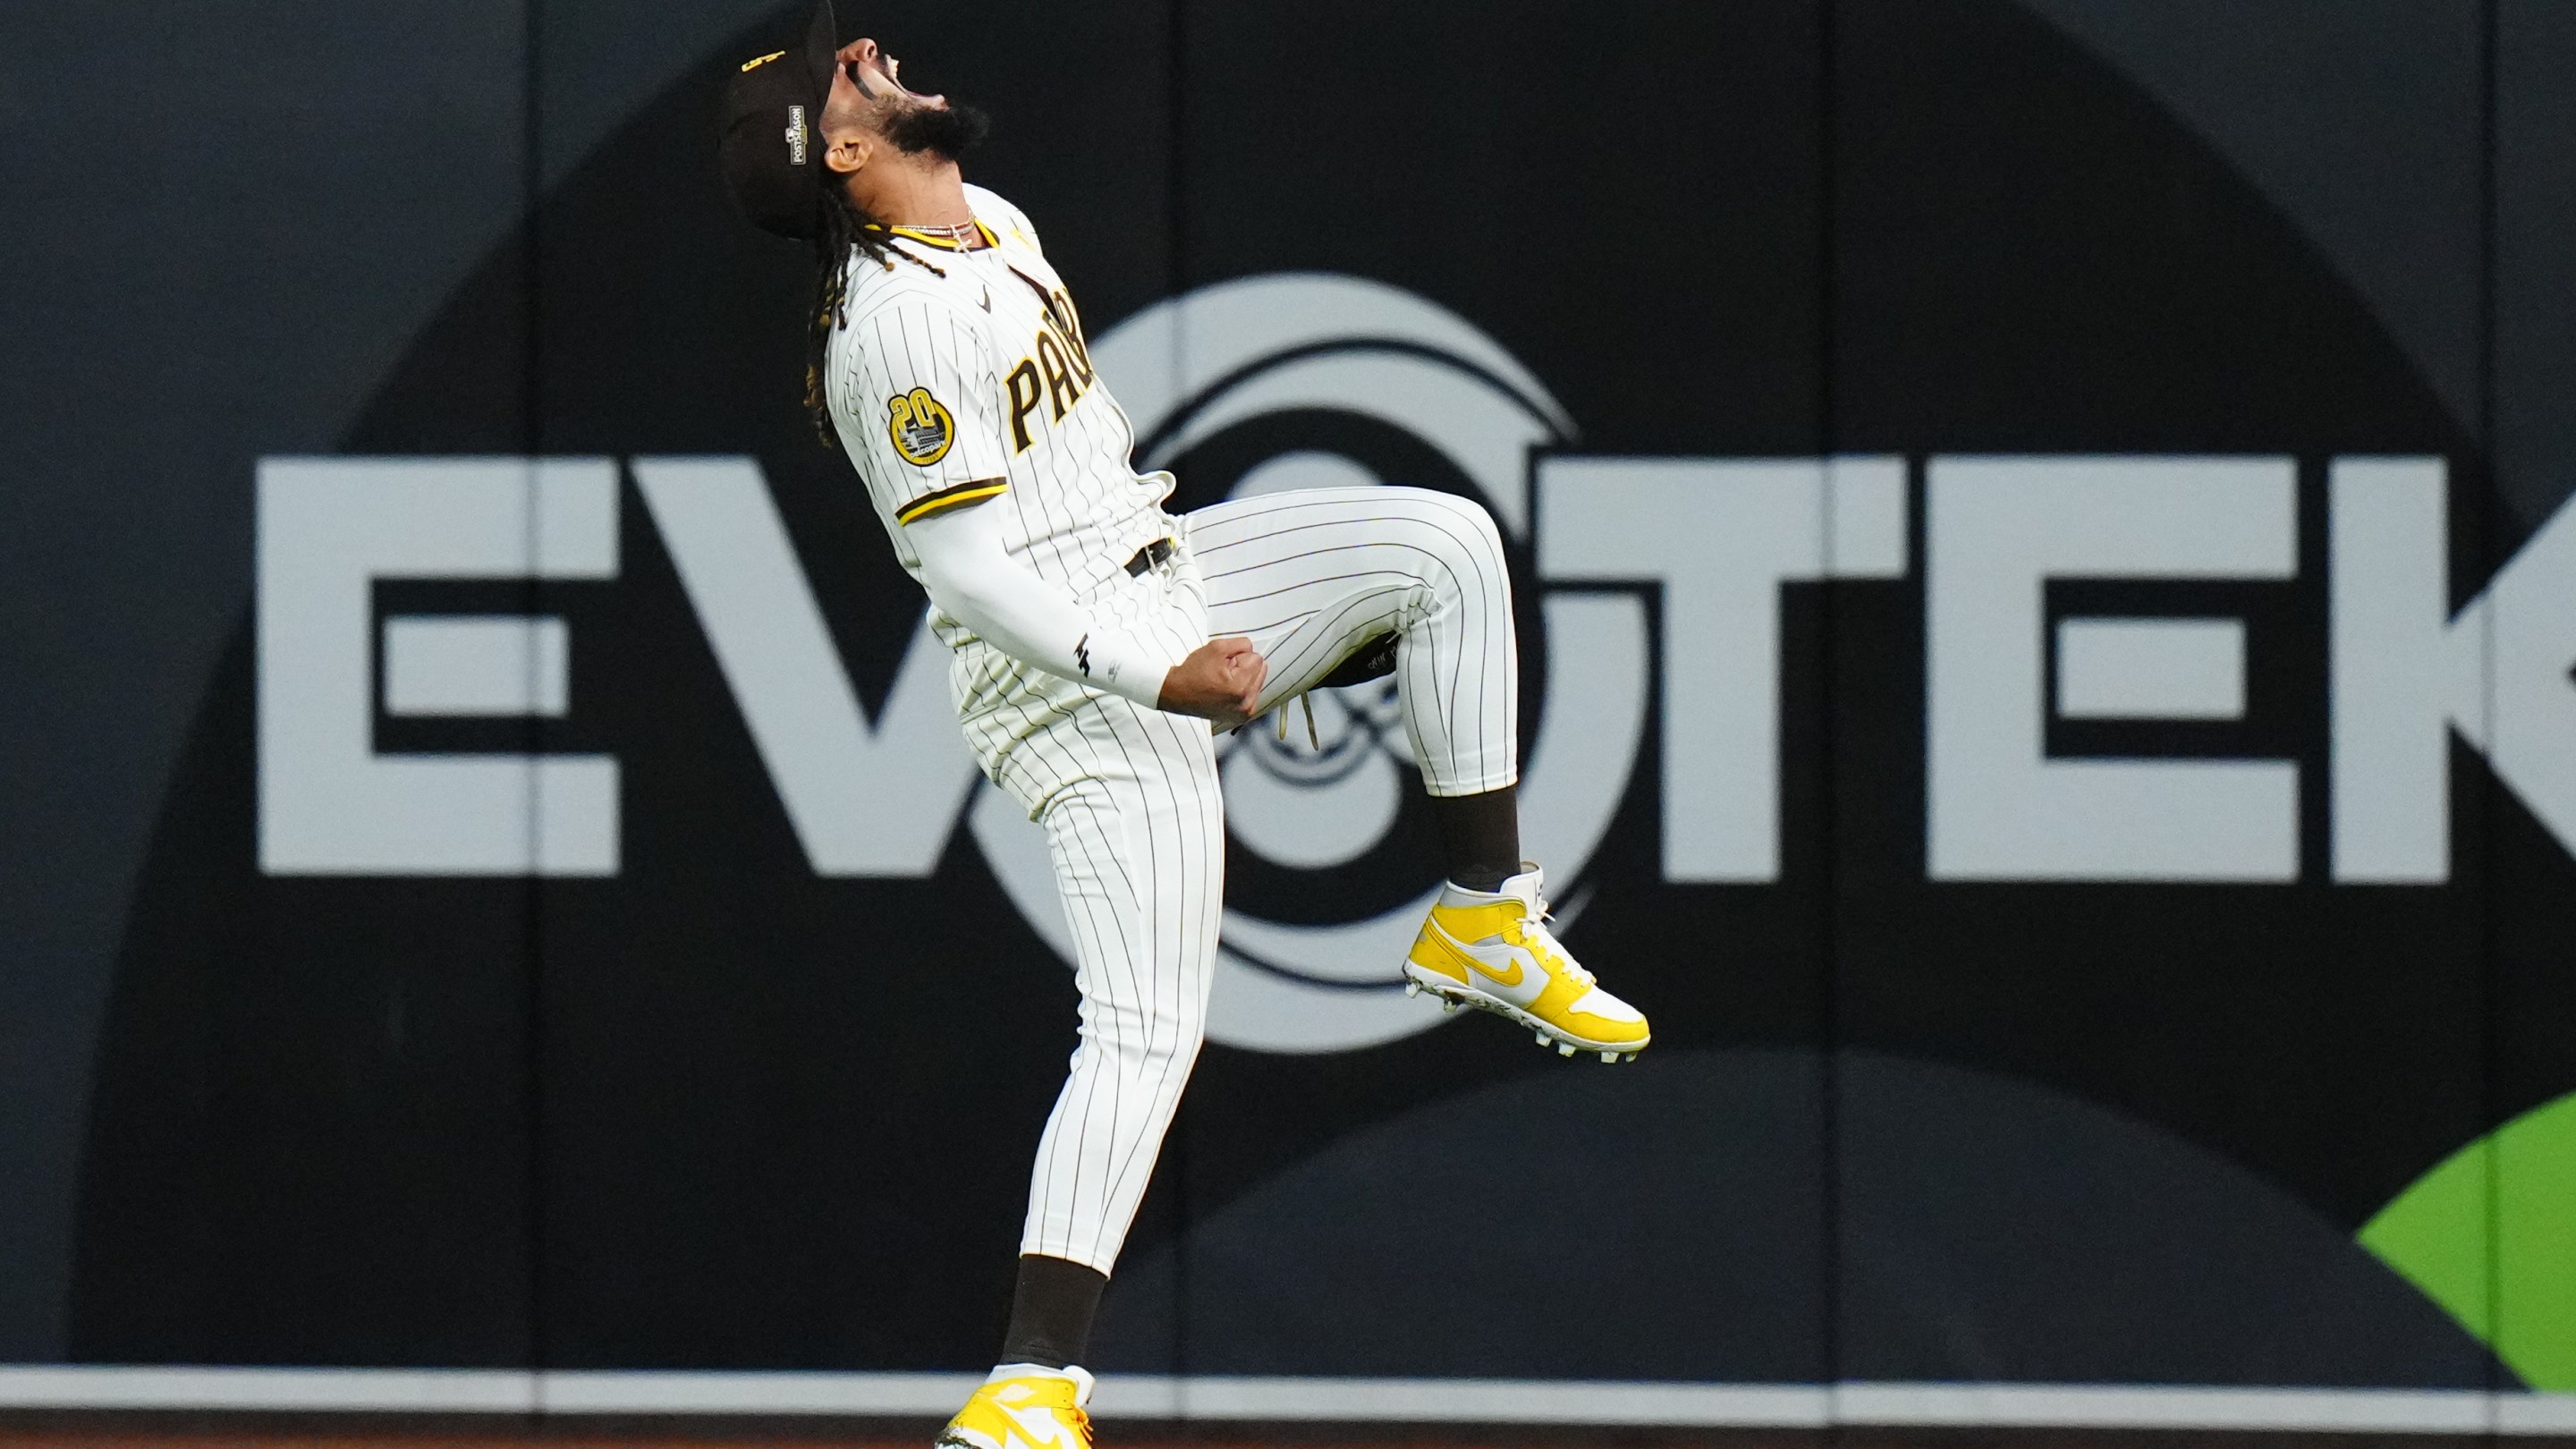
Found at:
[1516, 974]
[988, 299]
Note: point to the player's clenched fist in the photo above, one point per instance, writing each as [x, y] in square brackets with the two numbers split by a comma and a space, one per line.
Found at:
[1220, 681]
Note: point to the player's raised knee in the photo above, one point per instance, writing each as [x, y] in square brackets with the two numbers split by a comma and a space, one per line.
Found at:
[1487, 531]
[1450, 525]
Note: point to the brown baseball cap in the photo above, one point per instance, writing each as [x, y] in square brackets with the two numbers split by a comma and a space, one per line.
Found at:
[770, 141]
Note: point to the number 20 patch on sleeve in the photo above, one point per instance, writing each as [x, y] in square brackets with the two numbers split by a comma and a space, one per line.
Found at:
[920, 426]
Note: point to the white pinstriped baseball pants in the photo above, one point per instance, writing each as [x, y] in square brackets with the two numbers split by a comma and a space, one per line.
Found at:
[1136, 824]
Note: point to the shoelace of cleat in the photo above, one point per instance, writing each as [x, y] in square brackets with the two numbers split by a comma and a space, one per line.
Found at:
[1534, 937]
[1312, 739]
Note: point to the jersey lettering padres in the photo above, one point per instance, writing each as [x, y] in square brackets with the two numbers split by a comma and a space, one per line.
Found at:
[967, 381]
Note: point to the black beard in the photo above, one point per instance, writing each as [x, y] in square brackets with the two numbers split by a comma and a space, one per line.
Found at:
[948, 131]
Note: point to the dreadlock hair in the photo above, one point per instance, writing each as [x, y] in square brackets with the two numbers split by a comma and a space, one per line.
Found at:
[844, 227]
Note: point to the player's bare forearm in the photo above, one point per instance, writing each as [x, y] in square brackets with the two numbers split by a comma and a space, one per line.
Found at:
[1220, 682]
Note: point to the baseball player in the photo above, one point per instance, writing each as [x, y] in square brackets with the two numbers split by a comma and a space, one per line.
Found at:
[1098, 640]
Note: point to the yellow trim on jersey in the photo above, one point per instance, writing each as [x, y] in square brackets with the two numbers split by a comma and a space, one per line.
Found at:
[948, 498]
[946, 243]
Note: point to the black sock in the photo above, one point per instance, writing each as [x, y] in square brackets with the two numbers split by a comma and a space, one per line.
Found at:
[1480, 837]
[1051, 1312]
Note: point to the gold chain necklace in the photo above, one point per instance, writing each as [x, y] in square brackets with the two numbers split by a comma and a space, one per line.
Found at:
[964, 235]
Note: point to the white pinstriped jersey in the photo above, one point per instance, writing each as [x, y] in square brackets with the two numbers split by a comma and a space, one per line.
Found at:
[971, 385]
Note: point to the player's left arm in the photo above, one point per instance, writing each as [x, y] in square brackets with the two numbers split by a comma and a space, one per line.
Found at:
[912, 406]
[973, 579]
[920, 409]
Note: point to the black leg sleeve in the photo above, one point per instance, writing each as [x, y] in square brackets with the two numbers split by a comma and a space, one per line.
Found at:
[1480, 837]
[1051, 1312]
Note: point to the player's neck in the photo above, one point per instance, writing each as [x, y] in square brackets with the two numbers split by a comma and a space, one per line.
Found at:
[923, 191]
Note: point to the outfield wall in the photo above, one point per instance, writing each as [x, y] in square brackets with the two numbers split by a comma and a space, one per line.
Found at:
[2046, 597]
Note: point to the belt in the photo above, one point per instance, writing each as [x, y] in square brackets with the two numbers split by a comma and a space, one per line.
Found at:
[1150, 556]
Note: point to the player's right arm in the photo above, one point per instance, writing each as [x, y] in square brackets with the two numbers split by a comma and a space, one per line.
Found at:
[918, 406]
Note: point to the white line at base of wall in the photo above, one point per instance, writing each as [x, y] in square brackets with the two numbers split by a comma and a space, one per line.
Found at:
[1349, 1401]
[395, 1391]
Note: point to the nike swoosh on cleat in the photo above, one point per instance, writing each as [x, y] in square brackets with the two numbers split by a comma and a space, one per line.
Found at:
[1474, 962]
[1042, 1428]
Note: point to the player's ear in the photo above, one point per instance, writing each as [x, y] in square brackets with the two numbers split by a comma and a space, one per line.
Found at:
[849, 151]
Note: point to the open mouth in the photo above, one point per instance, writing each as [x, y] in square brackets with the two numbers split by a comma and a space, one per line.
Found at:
[887, 70]
[894, 73]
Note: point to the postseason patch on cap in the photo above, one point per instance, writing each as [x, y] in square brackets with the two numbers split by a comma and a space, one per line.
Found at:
[773, 98]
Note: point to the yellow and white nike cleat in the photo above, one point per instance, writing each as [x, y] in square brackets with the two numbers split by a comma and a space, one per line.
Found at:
[1023, 1406]
[1495, 952]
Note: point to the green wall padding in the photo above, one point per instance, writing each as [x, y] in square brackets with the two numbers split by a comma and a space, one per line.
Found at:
[2514, 1187]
